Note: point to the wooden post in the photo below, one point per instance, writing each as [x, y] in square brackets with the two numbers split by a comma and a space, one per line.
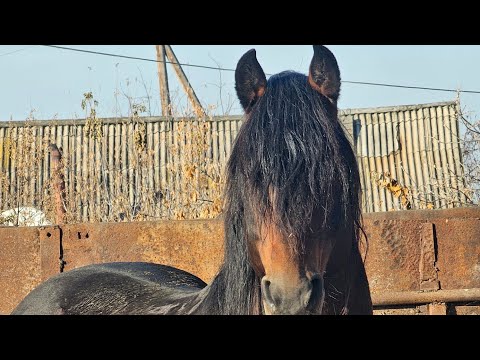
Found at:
[58, 183]
[163, 81]
[184, 81]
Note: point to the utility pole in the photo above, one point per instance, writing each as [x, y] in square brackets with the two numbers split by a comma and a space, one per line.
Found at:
[166, 50]
[163, 81]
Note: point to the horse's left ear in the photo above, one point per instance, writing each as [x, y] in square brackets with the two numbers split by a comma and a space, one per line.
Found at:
[324, 74]
[250, 80]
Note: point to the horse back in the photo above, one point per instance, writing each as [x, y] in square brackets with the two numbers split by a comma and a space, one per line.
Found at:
[112, 288]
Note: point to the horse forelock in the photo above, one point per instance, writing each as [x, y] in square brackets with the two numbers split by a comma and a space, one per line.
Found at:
[292, 160]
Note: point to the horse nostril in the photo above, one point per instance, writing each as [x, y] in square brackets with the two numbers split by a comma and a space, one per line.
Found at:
[316, 292]
[267, 293]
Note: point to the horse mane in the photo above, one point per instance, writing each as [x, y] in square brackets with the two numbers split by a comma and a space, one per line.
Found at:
[291, 158]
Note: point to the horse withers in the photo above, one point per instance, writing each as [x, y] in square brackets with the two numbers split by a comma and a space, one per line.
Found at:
[292, 218]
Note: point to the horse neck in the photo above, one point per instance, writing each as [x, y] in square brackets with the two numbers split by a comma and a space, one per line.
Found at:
[342, 276]
[230, 293]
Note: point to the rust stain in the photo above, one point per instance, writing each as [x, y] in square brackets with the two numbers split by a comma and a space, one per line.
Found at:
[193, 246]
[393, 256]
[428, 259]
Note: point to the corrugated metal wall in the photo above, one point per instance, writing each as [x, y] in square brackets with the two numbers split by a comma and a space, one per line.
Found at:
[409, 147]
[414, 149]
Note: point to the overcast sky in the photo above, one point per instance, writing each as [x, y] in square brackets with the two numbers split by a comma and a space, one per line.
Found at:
[51, 82]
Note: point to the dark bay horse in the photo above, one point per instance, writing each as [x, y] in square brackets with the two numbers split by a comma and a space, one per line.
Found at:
[292, 218]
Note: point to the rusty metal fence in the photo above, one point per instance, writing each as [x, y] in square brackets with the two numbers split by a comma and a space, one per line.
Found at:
[418, 262]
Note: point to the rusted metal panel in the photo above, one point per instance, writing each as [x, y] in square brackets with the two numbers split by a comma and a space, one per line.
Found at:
[20, 268]
[458, 252]
[50, 237]
[393, 256]
[395, 248]
[193, 246]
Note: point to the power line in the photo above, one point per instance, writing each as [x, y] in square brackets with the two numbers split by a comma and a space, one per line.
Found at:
[411, 87]
[137, 58]
[13, 52]
[226, 69]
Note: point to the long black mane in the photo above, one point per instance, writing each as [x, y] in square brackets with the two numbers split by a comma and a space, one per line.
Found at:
[293, 147]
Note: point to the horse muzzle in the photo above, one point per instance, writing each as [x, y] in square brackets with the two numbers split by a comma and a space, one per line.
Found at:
[302, 297]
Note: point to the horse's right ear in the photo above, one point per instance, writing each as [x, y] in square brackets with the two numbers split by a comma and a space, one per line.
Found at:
[324, 74]
[250, 80]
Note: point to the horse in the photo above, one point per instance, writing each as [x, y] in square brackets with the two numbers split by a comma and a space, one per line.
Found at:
[292, 218]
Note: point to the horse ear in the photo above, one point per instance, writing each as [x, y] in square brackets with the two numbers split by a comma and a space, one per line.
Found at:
[250, 80]
[324, 74]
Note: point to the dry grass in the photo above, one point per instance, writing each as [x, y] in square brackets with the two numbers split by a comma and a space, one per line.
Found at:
[437, 195]
[471, 156]
[111, 186]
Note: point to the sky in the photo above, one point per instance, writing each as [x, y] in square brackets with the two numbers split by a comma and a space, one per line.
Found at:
[47, 83]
